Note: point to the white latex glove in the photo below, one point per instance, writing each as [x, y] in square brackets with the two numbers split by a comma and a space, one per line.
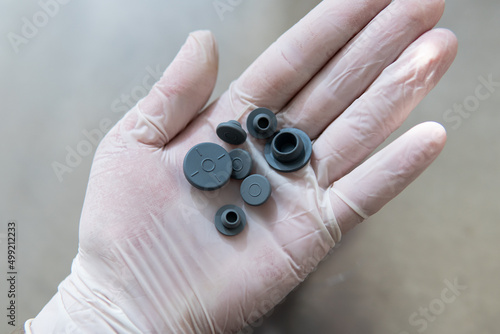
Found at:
[150, 259]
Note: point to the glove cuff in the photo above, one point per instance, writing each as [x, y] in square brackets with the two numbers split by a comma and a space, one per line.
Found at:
[77, 308]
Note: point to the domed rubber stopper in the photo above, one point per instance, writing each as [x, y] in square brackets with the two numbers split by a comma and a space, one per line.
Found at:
[231, 132]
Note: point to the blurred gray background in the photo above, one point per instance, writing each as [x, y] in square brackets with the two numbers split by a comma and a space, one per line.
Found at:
[443, 228]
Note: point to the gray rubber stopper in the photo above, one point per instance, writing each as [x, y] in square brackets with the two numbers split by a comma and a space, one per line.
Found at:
[289, 150]
[230, 220]
[208, 166]
[255, 189]
[262, 123]
[242, 163]
[231, 132]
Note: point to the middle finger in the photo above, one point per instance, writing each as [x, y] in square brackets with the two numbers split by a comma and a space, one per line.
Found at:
[359, 63]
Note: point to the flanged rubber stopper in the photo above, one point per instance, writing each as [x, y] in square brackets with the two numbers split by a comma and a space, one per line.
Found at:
[242, 163]
[255, 189]
[231, 132]
[230, 220]
[208, 166]
[262, 123]
[289, 150]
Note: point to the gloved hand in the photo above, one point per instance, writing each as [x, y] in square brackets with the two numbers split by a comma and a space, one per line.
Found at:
[150, 259]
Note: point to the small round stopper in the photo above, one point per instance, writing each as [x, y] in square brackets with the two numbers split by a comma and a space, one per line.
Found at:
[242, 163]
[231, 132]
[230, 220]
[255, 189]
[262, 123]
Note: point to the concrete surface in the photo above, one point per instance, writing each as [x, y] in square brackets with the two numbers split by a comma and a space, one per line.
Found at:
[441, 229]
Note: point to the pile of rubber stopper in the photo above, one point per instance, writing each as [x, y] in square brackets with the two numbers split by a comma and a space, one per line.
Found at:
[208, 166]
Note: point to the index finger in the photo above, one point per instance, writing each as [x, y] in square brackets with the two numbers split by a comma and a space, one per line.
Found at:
[290, 62]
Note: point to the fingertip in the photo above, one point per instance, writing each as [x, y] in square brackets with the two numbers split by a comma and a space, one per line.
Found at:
[434, 134]
[180, 94]
[202, 33]
[440, 131]
[429, 12]
[428, 140]
[205, 42]
[433, 53]
[450, 39]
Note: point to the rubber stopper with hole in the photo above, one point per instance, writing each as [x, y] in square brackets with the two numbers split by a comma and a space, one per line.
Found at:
[289, 150]
[230, 220]
[262, 123]
[255, 190]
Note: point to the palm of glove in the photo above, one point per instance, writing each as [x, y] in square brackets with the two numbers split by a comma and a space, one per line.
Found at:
[155, 233]
[148, 245]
